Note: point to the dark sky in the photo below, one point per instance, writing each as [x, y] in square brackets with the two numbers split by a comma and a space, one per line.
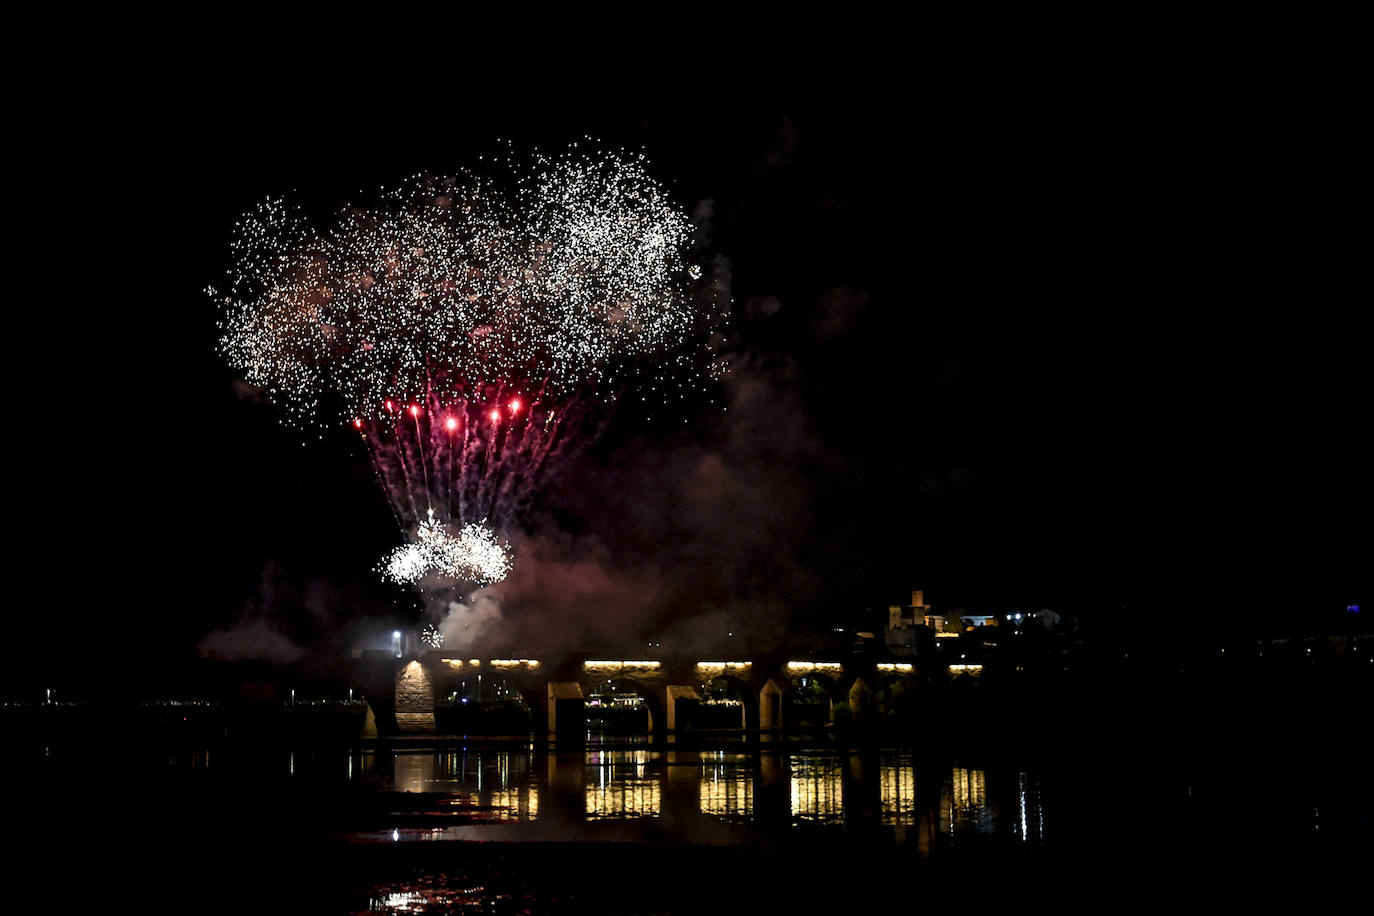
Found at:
[1080, 334]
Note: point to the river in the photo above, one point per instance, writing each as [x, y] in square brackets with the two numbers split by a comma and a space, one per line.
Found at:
[620, 825]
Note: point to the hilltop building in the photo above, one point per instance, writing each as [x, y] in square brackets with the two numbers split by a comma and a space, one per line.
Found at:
[902, 624]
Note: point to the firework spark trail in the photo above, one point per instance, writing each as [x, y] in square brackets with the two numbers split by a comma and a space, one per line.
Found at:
[467, 301]
[463, 462]
[493, 458]
[379, 468]
[420, 454]
[418, 464]
[408, 489]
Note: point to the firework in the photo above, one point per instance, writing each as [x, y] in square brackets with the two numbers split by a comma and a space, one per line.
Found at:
[444, 289]
[475, 554]
[430, 636]
[462, 326]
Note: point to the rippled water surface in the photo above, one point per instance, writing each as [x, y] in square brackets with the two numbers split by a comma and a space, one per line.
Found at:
[509, 826]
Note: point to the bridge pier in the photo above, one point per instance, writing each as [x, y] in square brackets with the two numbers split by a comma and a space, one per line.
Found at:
[681, 702]
[567, 714]
[770, 706]
[414, 700]
[860, 696]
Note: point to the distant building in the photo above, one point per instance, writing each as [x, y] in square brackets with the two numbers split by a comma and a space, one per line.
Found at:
[1043, 617]
[979, 620]
[902, 622]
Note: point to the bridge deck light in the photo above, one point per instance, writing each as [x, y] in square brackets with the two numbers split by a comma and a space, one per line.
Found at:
[814, 666]
[621, 664]
[724, 666]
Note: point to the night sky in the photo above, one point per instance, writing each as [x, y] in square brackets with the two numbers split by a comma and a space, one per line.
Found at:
[1085, 337]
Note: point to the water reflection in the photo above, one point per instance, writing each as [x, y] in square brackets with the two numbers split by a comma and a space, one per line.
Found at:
[889, 795]
[496, 785]
[414, 772]
[726, 786]
[516, 803]
[1030, 823]
[897, 789]
[619, 785]
[444, 894]
[817, 789]
[964, 807]
[718, 797]
[888, 791]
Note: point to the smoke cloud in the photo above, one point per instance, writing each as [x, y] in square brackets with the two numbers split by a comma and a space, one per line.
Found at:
[250, 639]
[695, 541]
[465, 625]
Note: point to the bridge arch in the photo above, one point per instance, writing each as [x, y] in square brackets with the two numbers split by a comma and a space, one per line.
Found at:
[894, 695]
[728, 691]
[610, 695]
[488, 702]
[810, 699]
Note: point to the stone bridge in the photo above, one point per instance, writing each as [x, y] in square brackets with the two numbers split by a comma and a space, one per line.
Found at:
[402, 686]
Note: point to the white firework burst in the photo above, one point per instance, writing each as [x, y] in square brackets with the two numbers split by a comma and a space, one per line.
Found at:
[474, 555]
[459, 324]
[551, 278]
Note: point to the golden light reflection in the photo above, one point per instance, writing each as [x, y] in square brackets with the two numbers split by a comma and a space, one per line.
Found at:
[817, 789]
[624, 798]
[414, 772]
[815, 666]
[498, 783]
[516, 804]
[895, 666]
[897, 789]
[727, 790]
[619, 785]
[964, 807]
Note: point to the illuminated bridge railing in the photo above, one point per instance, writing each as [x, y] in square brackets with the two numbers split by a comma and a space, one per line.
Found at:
[500, 664]
[620, 667]
[706, 669]
[809, 667]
